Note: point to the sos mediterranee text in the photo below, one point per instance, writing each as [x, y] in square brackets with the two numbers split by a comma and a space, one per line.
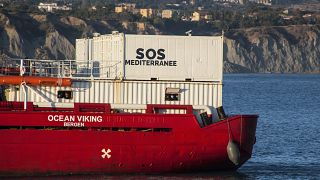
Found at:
[150, 57]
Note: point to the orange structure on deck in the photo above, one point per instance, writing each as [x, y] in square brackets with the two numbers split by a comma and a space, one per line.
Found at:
[33, 80]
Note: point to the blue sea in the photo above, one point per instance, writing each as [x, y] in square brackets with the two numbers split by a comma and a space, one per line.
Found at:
[288, 131]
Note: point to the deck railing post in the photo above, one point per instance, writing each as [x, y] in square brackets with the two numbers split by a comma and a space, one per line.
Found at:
[22, 68]
[25, 95]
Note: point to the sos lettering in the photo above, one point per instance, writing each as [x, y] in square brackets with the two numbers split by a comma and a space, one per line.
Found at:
[150, 54]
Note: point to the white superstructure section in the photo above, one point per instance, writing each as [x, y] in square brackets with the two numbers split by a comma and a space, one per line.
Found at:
[125, 92]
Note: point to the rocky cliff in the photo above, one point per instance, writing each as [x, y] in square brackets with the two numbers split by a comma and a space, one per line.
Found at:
[34, 36]
[292, 49]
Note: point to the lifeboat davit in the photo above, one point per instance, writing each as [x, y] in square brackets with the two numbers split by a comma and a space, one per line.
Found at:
[34, 81]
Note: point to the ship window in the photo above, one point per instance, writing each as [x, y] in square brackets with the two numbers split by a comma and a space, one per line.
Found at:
[65, 94]
[172, 94]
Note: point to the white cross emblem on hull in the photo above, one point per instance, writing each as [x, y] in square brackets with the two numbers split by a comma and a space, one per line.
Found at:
[106, 153]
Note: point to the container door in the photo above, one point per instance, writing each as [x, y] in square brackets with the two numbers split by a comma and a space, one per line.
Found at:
[109, 55]
[82, 51]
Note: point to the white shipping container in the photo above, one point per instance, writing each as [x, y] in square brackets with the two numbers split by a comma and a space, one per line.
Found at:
[198, 58]
[142, 57]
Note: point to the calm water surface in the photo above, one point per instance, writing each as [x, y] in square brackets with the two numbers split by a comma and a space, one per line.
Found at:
[288, 140]
[288, 132]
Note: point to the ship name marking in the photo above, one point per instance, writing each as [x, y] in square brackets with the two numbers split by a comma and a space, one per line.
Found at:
[74, 120]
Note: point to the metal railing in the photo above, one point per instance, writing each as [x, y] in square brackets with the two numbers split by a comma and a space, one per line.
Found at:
[61, 68]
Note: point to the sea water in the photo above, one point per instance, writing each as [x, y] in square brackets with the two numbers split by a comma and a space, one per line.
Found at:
[288, 131]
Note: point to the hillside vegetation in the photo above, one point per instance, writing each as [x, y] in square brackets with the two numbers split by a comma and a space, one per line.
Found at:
[281, 49]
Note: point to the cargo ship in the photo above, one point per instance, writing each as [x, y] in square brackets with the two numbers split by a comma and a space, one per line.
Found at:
[127, 104]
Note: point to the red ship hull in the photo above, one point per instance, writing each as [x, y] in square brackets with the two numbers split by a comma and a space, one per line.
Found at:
[40, 141]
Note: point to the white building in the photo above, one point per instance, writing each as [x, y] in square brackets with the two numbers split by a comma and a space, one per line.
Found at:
[265, 2]
[50, 7]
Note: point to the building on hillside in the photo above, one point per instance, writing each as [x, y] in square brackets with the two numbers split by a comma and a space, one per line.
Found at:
[287, 11]
[195, 16]
[229, 1]
[308, 15]
[50, 7]
[169, 13]
[128, 7]
[200, 16]
[47, 6]
[118, 9]
[93, 8]
[242, 1]
[147, 12]
[141, 26]
[265, 2]
[193, 2]
[286, 17]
